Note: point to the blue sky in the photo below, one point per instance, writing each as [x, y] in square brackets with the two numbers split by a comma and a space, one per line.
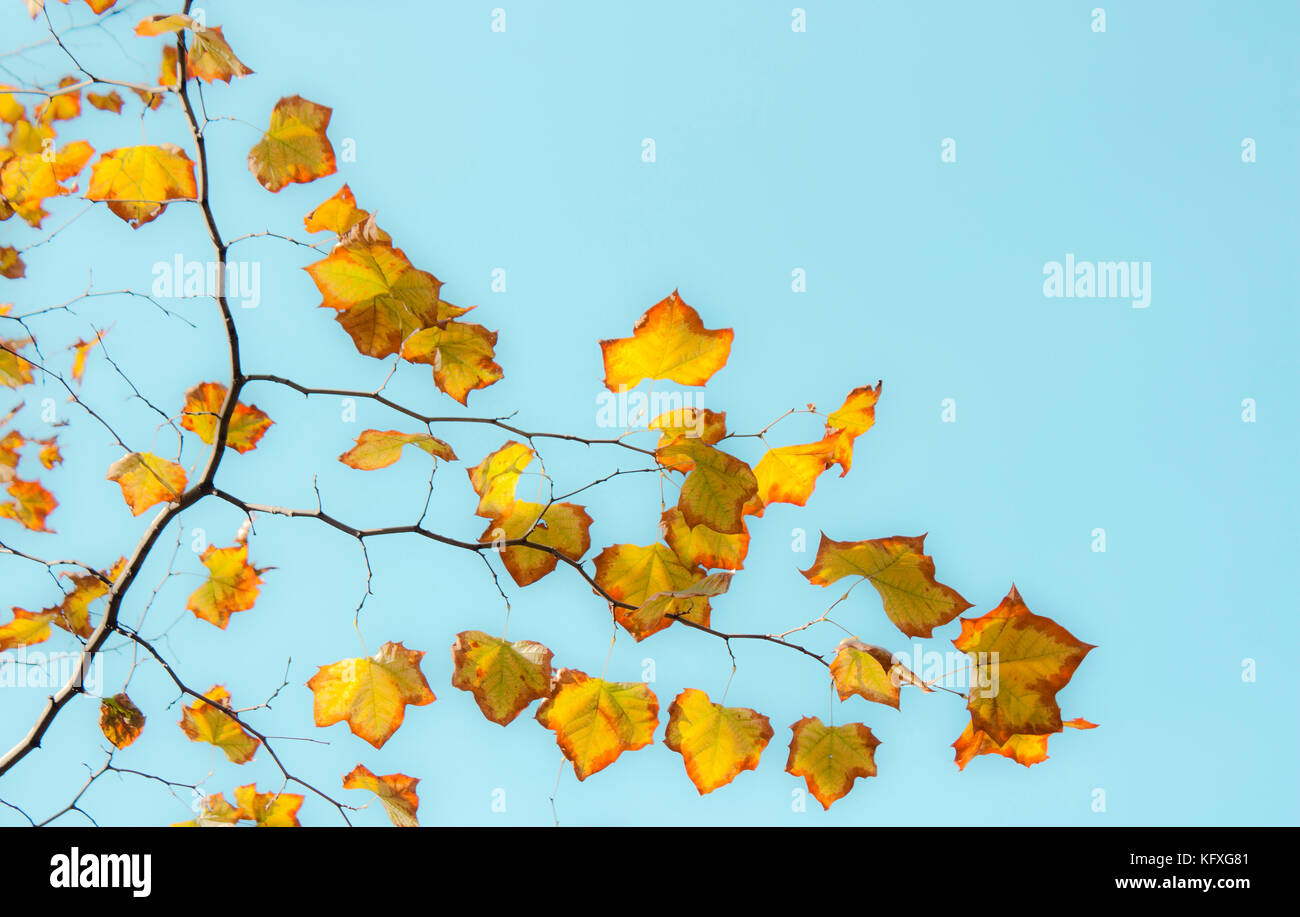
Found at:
[775, 150]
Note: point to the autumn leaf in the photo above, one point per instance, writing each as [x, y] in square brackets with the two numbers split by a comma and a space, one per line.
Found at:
[504, 677]
[139, 181]
[203, 409]
[396, 793]
[830, 758]
[709, 427]
[902, 573]
[371, 693]
[215, 811]
[231, 586]
[788, 474]
[381, 448]
[1025, 659]
[30, 506]
[73, 613]
[595, 721]
[717, 488]
[62, 107]
[82, 349]
[461, 354]
[701, 545]
[26, 628]
[496, 478]
[378, 296]
[1023, 749]
[31, 176]
[11, 263]
[870, 672]
[15, 370]
[294, 148]
[120, 720]
[668, 342]
[204, 721]
[715, 742]
[337, 215]
[856, 416]
[146, 479]
[633, 574]
[106, 101]
[565, 527]
[268, 810]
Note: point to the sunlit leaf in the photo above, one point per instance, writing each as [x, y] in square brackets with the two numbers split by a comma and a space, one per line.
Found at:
[396, 793]
[504, 677]
[205, 721]
[668, 342]
[716, 742]
[595, 721]
[371, 693]
[831, 758]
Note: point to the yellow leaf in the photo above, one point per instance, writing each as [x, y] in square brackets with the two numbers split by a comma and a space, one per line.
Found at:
[634, 574]
[371, 693]
[717, 488]
[26, 628]
[1023, 749]
[830, 758]
[232, 584]
[701, 545]
[595, 721]
[205, 721]
[338, 214]
[203, 409]
[396, 793]
[504, 677]
[268, 810]
[715, 742]
[146, 479]
[902, 573]
[870, 672]
[139, 181]
[381, 448]
[294, 148]
[460, 353]
[214, 812]
[668, 342]
[562, 526]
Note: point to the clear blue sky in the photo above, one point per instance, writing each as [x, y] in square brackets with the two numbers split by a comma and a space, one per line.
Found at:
[775, 150]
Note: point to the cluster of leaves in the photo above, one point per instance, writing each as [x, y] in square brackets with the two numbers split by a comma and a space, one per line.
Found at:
[390, 308]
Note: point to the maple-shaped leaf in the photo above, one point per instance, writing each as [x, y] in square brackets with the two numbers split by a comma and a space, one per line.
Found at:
[139, 181]
[215, 811]
[30, 506]
[120, 720]
[337, 215]
[1023, 659]
[11, 263]
[715, 742]
[1023, 749]
[232, 584]
[26, 629]
[73, 613]
[378, 296]
[564, 527]
[31, 175]
[268, 810]
[830, 758]
[209, 58]
[106, 101]
[716, 488]
[461, 354]
[668, 342]
[371, 693]
[701, 545]
[788, 474]
[381, 448]
[396, 793]
[202, 410]
[707, 426]
[902, 573]
[206, 721]
[635, 573]
[146, 479]
[294, 148]
[50, 455]
[595, 720]
[504, 677]
[870, 672]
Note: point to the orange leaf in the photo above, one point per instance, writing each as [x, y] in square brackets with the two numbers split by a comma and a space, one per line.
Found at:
[106, 101]
[26, 628]
[1023, 749]
[205, 721]
[120, 720]
[701, 545]
[232, 584]
[395, 791]
[715, 742]
[381, 448]
[668, 342]
[595, 721]
[268, 810]
[146, 479]
[203, 408]
[31, 505]
[371, 693]
[1020, 661]
[139, 181]
[830, 758]
[635, 574]
[461, 354]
